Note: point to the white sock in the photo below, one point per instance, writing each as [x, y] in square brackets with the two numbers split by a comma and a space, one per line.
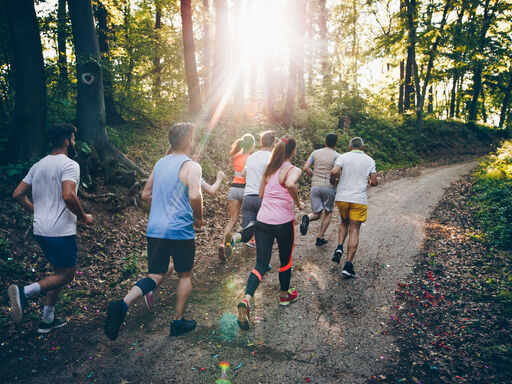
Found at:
[32, 290]
[48, 314]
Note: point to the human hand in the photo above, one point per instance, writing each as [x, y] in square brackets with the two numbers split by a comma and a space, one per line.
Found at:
[198, 222]
[220, 175]
[87, 219]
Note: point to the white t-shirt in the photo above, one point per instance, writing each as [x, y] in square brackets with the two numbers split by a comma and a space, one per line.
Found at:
[254, 168]
[51, 216]
[356, 166]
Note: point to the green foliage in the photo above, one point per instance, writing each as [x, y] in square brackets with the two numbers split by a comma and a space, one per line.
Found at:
[492, 198]
[130, 266]
[15, 170]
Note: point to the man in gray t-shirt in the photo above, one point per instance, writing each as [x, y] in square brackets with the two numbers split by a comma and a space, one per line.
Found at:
[53, 182]
[322, 192]
[357, 172]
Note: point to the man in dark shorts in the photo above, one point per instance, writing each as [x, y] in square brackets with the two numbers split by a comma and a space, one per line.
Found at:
[54, 183]
[174, 192]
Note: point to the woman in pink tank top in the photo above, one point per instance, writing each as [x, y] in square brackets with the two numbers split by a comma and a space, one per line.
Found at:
[275, 220]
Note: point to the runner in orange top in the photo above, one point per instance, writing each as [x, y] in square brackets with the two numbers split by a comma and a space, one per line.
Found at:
[240, 151]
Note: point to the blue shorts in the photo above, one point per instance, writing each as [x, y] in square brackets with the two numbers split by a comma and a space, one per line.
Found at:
[59, 251]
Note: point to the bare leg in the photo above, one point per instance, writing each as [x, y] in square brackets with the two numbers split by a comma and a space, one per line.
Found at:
[325, 223]
[51, 297]
[314, 216]
[135, 292]
[60, 277]
[343, 232]
[353, 239]
[183, 291]
[234, 209]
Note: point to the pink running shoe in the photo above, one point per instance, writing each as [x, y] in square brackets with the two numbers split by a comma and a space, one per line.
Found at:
[148, 298]
[251, 243]
[292, 296]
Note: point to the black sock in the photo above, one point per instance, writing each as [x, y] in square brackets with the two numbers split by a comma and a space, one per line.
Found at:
[340, 246]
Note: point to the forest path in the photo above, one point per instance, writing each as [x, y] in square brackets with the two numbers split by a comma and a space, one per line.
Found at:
[332, 334]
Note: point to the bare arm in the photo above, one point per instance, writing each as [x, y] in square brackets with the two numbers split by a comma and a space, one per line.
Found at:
[263, 184]
[212, 189]
[307, 167]
[190, 174]
[335, 174]
[147, 192]
[373, 181]
[292, 184]
[20, 195]
[72, 202]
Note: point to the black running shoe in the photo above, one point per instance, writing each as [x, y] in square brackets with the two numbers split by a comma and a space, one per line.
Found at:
[115, 317]
[320, 241]
[337, 255]
[304, 225]
[184, 327]
[45, 327]
[348, 270]
[17, 302]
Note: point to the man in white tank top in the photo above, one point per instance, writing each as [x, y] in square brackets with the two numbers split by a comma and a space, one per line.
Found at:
[357, 171]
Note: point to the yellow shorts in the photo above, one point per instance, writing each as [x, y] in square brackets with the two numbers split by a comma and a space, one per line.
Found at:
[352, 211]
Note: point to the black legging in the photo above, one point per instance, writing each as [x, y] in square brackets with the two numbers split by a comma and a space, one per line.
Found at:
[265, 235]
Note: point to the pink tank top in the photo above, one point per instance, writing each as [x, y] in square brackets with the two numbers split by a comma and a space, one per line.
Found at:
[277, 205]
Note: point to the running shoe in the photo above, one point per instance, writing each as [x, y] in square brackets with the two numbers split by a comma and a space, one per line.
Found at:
[320, 241]
[229, 243]
[244, 314]
[348, 270]
[17, 302]
[222, 257]
[304, 225]
[251, 243]
[115, 317]
[292, 296]
[184, 327]
[148, 299]
[337, 254]
[45, 327]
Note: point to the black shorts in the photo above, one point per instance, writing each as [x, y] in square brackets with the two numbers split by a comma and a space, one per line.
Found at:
[160, 251]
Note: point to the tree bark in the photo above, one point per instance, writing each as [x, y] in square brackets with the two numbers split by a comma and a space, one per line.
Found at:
[506, 100]
[157, 64]
[220, 55]
[112, 116]
[401, 88]
[324, 54]
[453, 93]
[302, 53]
[194, 92]
[430, 106]
[28, 133]
[206, 49]
[238, 70]
[408, 87]
[90, 97]
[62, 82]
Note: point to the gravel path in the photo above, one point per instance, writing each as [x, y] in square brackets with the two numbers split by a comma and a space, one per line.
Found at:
[334, 333]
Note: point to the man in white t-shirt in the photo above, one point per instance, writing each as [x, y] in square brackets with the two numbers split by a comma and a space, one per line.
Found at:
[54, 183]
[357, 172]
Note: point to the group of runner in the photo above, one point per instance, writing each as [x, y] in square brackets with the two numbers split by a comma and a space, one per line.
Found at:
[264, 188]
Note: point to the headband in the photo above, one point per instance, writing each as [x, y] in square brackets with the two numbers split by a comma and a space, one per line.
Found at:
[283, 139]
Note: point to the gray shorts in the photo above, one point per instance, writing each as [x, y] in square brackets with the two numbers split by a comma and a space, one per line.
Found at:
[250, 207]
[236, 193]
[322, 198]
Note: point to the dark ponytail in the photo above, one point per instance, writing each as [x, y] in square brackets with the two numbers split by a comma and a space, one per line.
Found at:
[282, 151]
[244, 144]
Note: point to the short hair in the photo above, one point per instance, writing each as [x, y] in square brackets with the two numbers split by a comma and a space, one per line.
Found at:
[356, 143]
[331, 139]
[178, 132]
[267, 139]
[60, 132]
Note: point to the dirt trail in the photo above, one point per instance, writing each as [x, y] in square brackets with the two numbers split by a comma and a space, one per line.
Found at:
[334, 333]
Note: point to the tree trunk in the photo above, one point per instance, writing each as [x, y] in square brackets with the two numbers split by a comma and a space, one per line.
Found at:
[477, 87]
[506, 100]
[206, 48]
[90, 98]
[269, 89]
[62, 81]
[484, 110]
[194, 93]
[430, 106]
[310, 47]
[409, 87]
[157, 65]
[459, 94]
[453, 94]
[27, 136]
[401, 88]
[220, 56]
[238, 70]
[324, 53]
[112, 116]
[302, 53]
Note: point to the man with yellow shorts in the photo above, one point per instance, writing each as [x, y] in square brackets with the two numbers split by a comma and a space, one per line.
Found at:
[355, 171]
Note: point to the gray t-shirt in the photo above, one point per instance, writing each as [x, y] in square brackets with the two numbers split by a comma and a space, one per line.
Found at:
[254, 167]
[322, 160]
[51, 216]
[356, 166]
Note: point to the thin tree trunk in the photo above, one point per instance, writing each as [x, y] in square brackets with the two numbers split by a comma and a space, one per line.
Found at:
[90, 98]
[62, 82]
[409, 87]
[220, 55]
[324, 53]
[459, 94]
[27, 135]
[430, 106]
[483, 107]
[206, 49]
[157, 64]
[401, 88]
[238, 69]
[269, 89]
[194, 92]
[477, 88]
[453, 93]
[310, 46]
[302, 52]
[112, 116]
[506, 100]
